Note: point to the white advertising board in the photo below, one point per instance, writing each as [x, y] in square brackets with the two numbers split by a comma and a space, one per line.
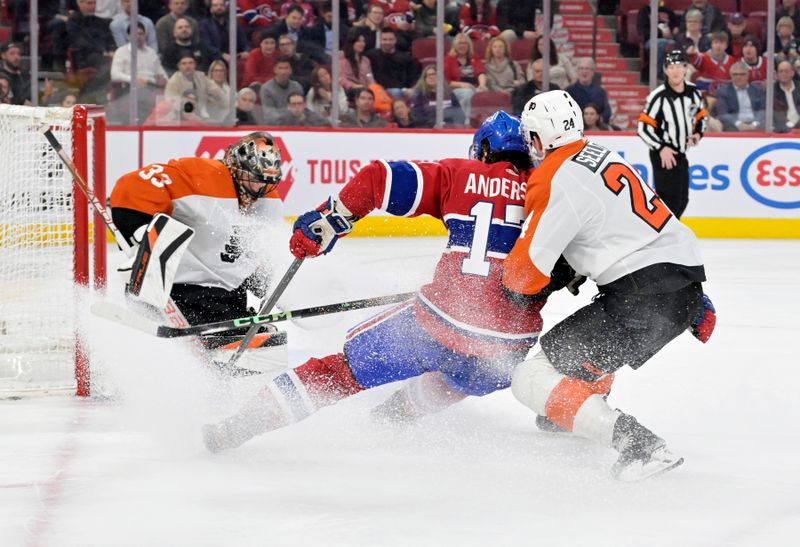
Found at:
[730, 177]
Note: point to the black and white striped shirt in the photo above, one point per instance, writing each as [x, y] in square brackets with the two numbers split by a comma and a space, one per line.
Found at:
[669, 118]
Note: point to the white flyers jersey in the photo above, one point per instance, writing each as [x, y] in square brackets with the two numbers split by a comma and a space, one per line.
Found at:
[589, 204]
[200, 193]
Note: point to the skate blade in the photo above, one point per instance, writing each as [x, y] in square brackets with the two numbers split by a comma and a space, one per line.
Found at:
[543, 423]
[646, 471]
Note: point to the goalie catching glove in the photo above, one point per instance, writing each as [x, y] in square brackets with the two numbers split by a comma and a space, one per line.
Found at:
[151, 272]
[316, 232]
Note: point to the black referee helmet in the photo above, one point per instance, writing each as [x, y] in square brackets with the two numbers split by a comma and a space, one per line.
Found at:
[675, 57]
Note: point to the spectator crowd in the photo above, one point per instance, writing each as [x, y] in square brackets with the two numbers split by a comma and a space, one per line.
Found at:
[494, 59]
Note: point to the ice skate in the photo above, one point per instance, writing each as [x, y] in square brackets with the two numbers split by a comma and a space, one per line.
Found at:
[221, 436]
[254, 419]
[396, 410]
[642, 453]
[546, 424]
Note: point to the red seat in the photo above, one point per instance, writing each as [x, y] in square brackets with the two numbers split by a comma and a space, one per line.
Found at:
[726, 6]
[424, 49]
[756, 24]
[631, 5]
[486, 103]
[521, 49]
[678, 4]
[749, 6]
[631, 31]
[479, 47]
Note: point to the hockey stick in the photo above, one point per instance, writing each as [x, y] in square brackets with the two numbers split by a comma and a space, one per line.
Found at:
[96, 204]
[170, 312]
[266, 308]
[134, 320]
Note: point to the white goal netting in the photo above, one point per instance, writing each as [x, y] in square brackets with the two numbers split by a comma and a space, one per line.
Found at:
[40, 303]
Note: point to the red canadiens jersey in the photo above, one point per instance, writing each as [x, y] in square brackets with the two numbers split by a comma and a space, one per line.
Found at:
[482, 206]
[257, 13]
[709, 68]
[396, 13]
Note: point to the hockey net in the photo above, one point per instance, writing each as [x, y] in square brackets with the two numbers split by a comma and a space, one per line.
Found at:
[51, 255]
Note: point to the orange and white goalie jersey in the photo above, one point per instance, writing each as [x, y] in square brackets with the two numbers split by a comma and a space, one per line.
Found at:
[200, 193]
[589, 204]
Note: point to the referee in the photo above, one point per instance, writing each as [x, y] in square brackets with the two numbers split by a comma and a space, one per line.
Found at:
[673, 120]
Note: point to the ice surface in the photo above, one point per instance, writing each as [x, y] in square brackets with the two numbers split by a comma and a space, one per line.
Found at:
[131, 471]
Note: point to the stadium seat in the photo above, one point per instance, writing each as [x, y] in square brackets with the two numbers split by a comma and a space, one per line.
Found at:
[676, 5]
[486, 103]
[631, 31]
[521, 49]
[749, 6]
[424, 49]
[77, 77]
[631, 5]
[756, 25]
[727, 6]
[479, 47]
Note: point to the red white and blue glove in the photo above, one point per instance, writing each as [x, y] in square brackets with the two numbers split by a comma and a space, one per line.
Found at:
[316, 232]
[703, 325]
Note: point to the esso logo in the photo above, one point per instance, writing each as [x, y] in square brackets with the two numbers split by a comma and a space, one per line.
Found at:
[771, 175]
[214, 147]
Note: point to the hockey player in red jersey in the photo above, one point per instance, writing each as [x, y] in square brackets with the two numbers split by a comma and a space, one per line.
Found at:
[462, 327]
[223, 201]
[591, 206]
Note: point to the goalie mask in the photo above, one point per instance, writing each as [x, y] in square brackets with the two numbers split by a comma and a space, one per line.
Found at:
[254, 162]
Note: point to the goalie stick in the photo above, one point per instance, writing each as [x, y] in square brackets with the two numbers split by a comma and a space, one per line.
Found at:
[134, 320]
[96, 204]
[266, 308]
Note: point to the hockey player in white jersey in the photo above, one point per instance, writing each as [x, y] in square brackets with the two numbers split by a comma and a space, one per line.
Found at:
[587, 203]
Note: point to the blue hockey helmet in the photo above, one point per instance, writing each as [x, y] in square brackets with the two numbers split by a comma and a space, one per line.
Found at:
[501, 132]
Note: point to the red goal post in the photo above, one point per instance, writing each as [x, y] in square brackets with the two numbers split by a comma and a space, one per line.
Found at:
[52, 248]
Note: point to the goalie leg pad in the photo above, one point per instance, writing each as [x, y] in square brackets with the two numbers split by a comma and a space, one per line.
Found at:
[158, 258]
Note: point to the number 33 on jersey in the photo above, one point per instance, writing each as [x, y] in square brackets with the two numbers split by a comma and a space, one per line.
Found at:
[579, 191]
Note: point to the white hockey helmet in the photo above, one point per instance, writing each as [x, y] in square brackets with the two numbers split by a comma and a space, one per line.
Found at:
[555, 118]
